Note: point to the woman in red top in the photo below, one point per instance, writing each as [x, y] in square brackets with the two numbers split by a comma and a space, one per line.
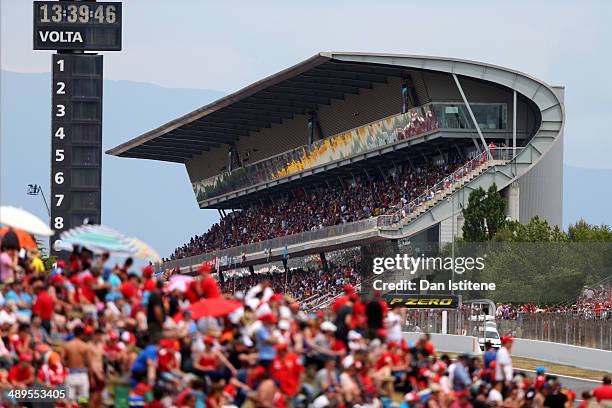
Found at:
[212, 363]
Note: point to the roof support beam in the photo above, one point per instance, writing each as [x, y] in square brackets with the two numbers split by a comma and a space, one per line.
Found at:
[153, 156]
[281, 96]
[308, 92]
[260, 112]
[204, 135]
[329, 87]
[329, 80]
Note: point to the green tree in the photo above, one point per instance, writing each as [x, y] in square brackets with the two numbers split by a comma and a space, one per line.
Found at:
[484, 214]
[582, 231]
[474, 217]
[494, 206]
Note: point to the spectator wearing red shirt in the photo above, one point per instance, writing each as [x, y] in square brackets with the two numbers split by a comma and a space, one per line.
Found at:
[22, 375]
[43, 306]
[604, 391]
[209, 288]
[287, 370]
[52, 373]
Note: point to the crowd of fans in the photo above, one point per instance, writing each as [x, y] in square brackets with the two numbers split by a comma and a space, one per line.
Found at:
[303, 284]
[352, 200]
[96, 329]
[593, 303]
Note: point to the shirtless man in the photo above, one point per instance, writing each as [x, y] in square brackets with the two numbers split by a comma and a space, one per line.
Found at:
[76, 355]
[96, 366]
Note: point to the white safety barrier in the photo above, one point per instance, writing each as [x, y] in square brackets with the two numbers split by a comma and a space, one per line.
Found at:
[575, 356]
[449, 342]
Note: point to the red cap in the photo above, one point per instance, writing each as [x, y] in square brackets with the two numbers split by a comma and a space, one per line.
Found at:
[88, 329]
[167, 344]
[281, 346]
[205, 268]
[89, 279]
[113, 336]
[209, 340]
[268, 318]
[392, 344]
[25, 357]
[147, 271]
[150, 285]
[348, 288]
[57, 278]
[259, 371]
[507, 339]
[277, 297]
[60, 264]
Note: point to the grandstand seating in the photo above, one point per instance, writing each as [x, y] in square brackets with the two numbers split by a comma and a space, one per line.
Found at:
[341, 202]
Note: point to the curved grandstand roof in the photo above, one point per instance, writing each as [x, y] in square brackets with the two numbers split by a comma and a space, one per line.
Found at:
[301, 88]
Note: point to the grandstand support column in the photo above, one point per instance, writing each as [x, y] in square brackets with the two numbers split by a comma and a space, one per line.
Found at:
[323, 260]
[251, 270]
[513, 200]
[514, 124]
[469, 108]
[370, 251]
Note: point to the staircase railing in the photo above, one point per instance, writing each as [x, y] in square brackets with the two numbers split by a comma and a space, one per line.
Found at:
[450, 181]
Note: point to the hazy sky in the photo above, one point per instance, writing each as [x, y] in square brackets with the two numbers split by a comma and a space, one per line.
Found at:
[226, 45]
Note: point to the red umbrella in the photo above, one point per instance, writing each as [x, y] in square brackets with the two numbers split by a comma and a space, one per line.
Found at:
[213, 307]
[25, 239]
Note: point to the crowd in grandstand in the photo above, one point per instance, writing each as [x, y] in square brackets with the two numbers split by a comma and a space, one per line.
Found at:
[99, 329]
[352, 200]
[299, 283]
[593, 303]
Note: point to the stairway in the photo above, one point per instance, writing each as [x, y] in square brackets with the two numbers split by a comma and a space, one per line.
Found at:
[439, 195]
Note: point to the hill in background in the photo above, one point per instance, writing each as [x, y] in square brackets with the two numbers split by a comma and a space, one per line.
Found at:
[154, 200]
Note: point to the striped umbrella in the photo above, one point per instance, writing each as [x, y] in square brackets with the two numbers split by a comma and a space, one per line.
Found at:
[98, 239]
[144, 251]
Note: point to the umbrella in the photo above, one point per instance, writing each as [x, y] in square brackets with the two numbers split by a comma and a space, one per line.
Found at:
[25, 239]
[180, 282]
[144, 251]
[97, 238]
[24, 220]
[213, 307]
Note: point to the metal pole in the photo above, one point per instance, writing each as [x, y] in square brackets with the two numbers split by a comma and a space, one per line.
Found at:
[42, 193]
[514, 124]
[467, 105]
[453, 241]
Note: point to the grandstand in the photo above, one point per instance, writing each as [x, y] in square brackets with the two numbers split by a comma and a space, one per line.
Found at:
[354, 149]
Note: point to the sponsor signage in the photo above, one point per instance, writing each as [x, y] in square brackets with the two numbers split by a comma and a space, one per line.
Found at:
[428, 301]
[77, 25]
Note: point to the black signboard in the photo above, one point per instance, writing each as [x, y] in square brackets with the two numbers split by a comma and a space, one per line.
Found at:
[428, 301]
[77, 25]
[76, 141]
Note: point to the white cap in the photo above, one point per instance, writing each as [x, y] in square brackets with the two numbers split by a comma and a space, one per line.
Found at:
[328, 326]
[284, 325]
[353, 335]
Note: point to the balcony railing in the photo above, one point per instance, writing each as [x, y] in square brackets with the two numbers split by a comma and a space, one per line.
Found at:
[363, 139]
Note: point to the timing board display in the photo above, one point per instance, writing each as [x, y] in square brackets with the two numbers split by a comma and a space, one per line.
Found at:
[76, 141]
[77, 25]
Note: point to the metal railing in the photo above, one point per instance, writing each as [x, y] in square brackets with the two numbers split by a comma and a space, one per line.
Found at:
[440, 188]
[271, 247]
[562, 328]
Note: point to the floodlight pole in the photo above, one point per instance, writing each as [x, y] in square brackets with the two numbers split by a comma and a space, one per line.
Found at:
[34, 190]
[467, 105]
